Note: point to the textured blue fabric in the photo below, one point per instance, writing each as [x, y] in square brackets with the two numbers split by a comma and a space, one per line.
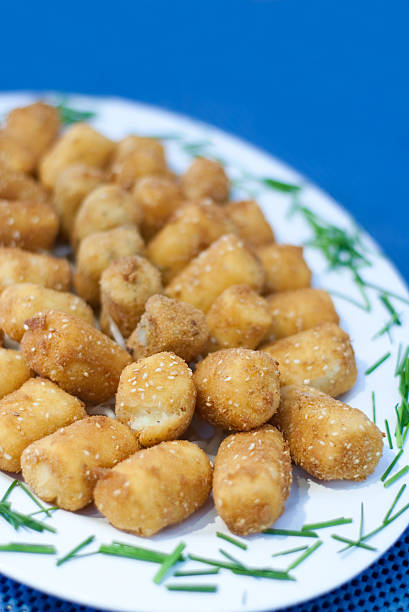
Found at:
[383, 586]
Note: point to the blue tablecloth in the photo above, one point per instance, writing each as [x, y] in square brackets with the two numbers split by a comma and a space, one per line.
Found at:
[322, 84]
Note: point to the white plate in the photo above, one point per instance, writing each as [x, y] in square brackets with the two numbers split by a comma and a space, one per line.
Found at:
[123, 584]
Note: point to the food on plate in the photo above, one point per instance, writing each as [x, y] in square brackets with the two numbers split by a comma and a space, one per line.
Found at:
[321, 357]
[74, 354]
[23, 301]
[158, 197]
[19, 266]
[34, 127]
[13, 371]
[156, 487]
[96, 252]
[191, 229]
[72, 186]
[326, 437]
[63, 467]
[237, 389]
[105, 208]
[205, 178]
[250, 221]
[37, 409]
[19, 186]
[156, 398]
[298, 310]
[284, 266]
[252, 479]
[80, 144]
[169, 325]
[225, 263]
[14, 155]
[238, 317]
[126, 285]
[27, 224]
[136, 156]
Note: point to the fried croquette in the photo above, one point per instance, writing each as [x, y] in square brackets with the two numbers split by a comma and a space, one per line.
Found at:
[205, 178]
[298, 310]
[137, 156]
[156, 487]
[63, 467]
[225, 263]
[156, 398]
[238, 317]
[321, 357]
[237, 389]
[23, 301]
[284, 266]
[252, 479]
[13, 371]
[14, 156]
[328, 438]
[27, 224]
[169, 325]
[34, 127]
[19, 266]
[96, 252]
[126, 285]
[158, 197]
[192, 229]
[19, 186]
[250, 221]
[37, 409]
[74, 354]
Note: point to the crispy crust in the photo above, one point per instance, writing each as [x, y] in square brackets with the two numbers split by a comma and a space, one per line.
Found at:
[328, 438]
[31, 225]
[250, 221]
[34, 126]
[238, 389]
[156, 487]
[205, 178]
[137, 156]
[252, 479]
[19, 266]
[284, 266]
[158, 197]
[13, 371]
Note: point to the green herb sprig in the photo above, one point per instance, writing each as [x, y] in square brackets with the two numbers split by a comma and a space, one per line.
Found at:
[70, 115]
[73, 553]
[17, 519]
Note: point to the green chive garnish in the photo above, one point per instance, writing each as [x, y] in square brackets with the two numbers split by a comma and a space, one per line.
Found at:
[51, 509]
[263, 573]
[73, 552]
[214, 562]
[373, 407]
[323, 525]
[396, 477]
[133, 552]
[377, 364]
[398, 359]
[395, 501]
[231, 558]
[34, 499]
[70, 115]
[304, 555]
[169, 562]
[280, 185]
[391, 465]
[193, 588]
[41, 549]
[357, 543]
[361, 522]
[388, 433]
[291, 532]
[290, 551]
[203, 572]
[387, 292]
[9, 490]
[232, 540]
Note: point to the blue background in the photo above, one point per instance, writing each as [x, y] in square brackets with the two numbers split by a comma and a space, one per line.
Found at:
[322, 84]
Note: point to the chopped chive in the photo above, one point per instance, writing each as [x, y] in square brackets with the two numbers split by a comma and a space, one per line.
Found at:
[9, 490]
[232, 540]
[193, 588]
[73, 552]
[395, 516]
[41, 549]
[34, 499]
[17, 520]
[395, 501]
[388, 433]
[280, 185]
[214, 562]
[202, 572]
[373, 407]
[231, 558]
[133, 552]
[387, 292]
[391, 465]
[51, 509]
[70, 115]
[304, 555]
[396, 477]
[377, 364]
[167, 563]
[398, 359]
[361, 522]
[291, 532]
[263, 573]
[357, 543]
[350, 300]
[323, 525]
[289, 551]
